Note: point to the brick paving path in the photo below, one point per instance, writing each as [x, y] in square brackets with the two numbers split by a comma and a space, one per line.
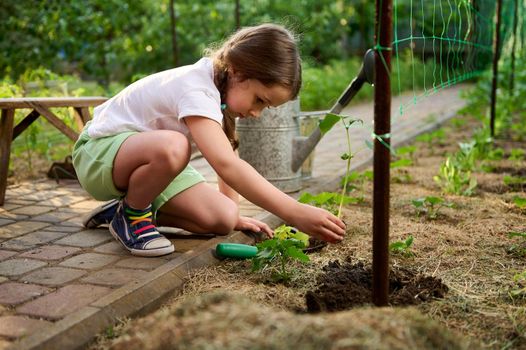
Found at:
[60, 283]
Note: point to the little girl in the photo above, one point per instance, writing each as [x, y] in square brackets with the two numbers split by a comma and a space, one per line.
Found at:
[137, 147]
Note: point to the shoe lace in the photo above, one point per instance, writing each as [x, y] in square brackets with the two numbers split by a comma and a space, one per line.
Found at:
[143, 221]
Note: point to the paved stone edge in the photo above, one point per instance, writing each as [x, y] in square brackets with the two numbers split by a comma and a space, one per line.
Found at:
[140, 297]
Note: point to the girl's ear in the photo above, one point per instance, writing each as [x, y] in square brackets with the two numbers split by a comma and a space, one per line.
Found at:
[235, 75]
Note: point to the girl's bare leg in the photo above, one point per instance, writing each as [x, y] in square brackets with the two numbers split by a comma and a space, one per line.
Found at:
[200, 209]
[147, 162]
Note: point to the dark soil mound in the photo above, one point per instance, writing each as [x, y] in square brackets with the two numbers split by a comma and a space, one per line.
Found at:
[344, 286]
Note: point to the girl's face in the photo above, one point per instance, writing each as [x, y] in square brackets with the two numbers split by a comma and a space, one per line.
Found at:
[247, 98]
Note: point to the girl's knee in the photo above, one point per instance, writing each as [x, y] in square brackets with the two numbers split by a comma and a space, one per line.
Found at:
[174, 152]
[225, 220]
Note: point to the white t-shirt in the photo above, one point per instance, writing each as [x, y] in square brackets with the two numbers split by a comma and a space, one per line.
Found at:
[160, 102]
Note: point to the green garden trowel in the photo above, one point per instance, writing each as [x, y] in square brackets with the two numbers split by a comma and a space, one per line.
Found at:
[236, 251]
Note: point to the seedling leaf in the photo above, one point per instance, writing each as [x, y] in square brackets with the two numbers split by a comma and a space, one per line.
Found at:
[520, 202]
[403, 247]
[297, 254]
[434, 200]
[517, 234]
[346, 156]
[401, 163]
[328, 122]
[419, 202]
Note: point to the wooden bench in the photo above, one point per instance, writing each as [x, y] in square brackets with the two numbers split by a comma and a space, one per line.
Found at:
[39, 106]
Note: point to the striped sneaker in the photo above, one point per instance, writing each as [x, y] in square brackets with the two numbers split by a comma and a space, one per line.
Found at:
[101, 215]
[134, 229]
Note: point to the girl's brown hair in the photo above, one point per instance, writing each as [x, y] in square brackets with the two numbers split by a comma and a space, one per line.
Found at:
[267, 53]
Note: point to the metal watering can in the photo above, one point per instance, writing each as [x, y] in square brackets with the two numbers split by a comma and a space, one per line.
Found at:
[272, 144]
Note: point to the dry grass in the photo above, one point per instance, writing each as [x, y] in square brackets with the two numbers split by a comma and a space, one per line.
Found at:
[227, 320]
[466, 246]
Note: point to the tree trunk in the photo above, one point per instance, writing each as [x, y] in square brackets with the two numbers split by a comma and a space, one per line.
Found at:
[173, 21]
[238, 10]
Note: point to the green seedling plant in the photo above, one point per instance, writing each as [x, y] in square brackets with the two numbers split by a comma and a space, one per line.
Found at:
[520, 202]
[430, 206]
[467, 156]
[328, 200]
[496, 154]
[518, 249]
[519, 289]
[284, 232]
[277, 253]
[519, 131]
[400, 163]
[514, 181]
[356, 181]
[325, 125]
[407, 151]
[453, 179]
[403, 247]
[401, 175]
[517, 155]
[483, 143]
[458, 123]
[431, 138]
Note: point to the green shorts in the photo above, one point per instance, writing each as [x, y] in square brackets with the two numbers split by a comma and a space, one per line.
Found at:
[93, 162]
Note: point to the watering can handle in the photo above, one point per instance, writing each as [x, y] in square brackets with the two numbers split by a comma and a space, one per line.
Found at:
[303, 146]
[366, 74]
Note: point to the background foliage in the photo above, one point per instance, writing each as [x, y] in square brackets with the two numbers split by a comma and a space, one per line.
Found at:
[115, 40]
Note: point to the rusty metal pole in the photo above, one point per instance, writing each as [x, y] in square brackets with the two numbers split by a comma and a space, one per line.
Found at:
[496, 55]
[382, 157]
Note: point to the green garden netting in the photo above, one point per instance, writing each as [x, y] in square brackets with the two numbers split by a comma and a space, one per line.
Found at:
[449, 41]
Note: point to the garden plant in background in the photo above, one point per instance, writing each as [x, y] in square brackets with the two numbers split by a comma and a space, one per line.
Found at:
[431, 139]
[403, 247]
[430, 206]
[453, 179]
[400, 173]
[356, 182]
[328, 200]
[518, 249]
[520, 202]
[518, 290]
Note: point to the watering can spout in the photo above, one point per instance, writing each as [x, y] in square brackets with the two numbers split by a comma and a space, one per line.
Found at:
[303, 146]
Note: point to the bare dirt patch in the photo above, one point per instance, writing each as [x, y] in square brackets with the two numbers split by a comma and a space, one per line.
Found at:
[347, 285]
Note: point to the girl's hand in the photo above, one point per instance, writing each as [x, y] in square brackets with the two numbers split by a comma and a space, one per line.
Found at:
[245, 223]
[319, 223]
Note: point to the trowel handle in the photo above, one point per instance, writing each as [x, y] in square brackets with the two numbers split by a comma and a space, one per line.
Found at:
[236, 250]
